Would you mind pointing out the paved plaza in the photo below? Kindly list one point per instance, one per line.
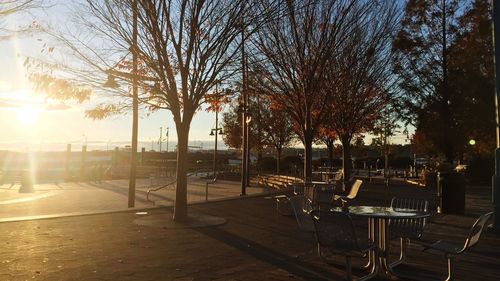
(249, 240)
(63, 199)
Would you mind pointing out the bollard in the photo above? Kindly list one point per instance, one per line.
(206, 191)
(26, 182)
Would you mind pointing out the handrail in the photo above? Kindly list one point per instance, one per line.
(166, 185)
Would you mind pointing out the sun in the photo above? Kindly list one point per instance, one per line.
(27, 115)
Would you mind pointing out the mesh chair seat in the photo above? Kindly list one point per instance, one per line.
(445, 247)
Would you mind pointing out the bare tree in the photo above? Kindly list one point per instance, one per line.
(185, 48)
(359, 75)
(277, 127)
(295, 48)
(10, 7)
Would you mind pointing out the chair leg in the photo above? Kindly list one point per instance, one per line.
(450, 269)
(348, 267)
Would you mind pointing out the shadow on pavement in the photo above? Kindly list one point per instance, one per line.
(296, 267)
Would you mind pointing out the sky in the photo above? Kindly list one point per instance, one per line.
(28, 121)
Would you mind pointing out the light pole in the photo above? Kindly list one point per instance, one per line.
(244, 153)
(160, 140)
(215, 132)
(496, 177)
(167, 137)
(111, 83)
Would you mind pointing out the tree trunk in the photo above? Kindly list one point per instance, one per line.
(278, 151)
(346, 159)
(330, 154)
(308, 140)
(180, 210)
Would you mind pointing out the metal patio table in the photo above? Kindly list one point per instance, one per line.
(378, 232)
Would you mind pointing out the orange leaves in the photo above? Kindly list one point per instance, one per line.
(217, 100)
(59, 89)
(102, 111)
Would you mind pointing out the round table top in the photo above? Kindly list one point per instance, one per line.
(383, 212)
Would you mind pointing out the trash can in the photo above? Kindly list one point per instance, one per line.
(430, 178)
(451, 193)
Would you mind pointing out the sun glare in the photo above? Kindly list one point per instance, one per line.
(27, 115)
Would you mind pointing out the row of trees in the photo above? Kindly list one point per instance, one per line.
(306, 59)
(322, 69)
(437, 77)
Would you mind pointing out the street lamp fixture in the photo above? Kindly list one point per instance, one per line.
(218, 129)
(215, 132)
(111, 82)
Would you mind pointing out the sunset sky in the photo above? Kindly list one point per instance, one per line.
(27, 118)
(28, 121)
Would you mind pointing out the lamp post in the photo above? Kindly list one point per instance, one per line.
(111, 83)
(135, 110)
(496, 177)
(244, 153)
(215, 132)
(160, 140)
(167, 137)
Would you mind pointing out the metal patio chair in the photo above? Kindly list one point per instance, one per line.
(335, 232)
(451, 250)
(407, 229)
(301, 209)
(283, 206)
(353, 192)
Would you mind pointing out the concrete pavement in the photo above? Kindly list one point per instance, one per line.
(255, 243)
(75, 198)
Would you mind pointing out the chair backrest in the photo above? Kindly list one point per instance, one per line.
(476, 230)
(409, 228)
(354, 189)
(301, 210)
(335, 230)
